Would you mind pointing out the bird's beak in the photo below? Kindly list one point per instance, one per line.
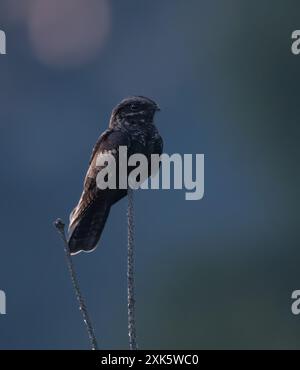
(157, 108)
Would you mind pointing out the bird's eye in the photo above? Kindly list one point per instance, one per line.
(134, 107)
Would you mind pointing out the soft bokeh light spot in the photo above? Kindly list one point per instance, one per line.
(68, 32)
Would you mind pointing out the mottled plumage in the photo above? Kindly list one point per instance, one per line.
(131, 125)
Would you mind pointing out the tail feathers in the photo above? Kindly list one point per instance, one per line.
(86, 228)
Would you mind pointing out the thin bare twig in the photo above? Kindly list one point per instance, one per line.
(130, 273)
(60, 226)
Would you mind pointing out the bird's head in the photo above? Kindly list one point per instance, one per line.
(134, 110)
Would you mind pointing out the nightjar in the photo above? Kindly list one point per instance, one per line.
(131, 125)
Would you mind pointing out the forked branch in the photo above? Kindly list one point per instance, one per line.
(60, 226)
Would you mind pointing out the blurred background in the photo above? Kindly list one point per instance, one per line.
(211, 274)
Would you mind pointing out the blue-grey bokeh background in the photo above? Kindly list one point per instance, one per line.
(215, 273)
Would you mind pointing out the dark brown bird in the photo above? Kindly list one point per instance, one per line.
(131, 125)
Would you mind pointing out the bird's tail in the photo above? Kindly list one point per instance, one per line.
(86, 226)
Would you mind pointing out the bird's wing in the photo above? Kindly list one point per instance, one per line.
(101, 139)
(88, 218)
(158, 145)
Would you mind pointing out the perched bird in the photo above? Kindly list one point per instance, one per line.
(131, 125)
